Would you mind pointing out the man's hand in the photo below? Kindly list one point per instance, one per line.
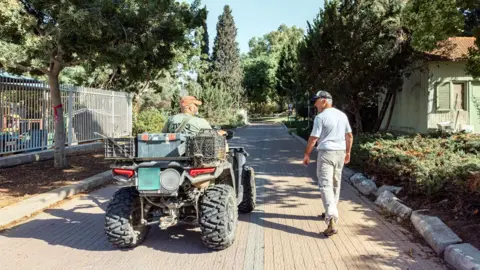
(306, 160)
(308, 150)
(349, 143)
(221, 132)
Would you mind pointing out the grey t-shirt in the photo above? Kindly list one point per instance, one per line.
(193, 126)
(330, 127)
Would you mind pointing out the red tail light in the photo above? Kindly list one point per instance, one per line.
(124, 172)
(199, 171)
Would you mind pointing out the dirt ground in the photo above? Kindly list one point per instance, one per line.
(458, 211)
(24, 181)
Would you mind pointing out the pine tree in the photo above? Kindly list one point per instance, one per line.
(226, 56)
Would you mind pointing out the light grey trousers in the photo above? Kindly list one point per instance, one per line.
(329, 174)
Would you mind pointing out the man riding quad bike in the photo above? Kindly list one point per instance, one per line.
(185, 175)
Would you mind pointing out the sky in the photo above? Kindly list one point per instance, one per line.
(254, 18)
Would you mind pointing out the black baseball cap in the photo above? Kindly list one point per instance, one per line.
(321, 94)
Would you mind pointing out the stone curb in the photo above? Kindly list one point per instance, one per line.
(463, 257)
(439, 236)
(25, 208)
(15, 160)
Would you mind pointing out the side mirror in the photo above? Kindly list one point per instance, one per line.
(229, 134)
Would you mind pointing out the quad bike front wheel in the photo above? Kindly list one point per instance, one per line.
(249, 191)
(218, 217)
(122, 219)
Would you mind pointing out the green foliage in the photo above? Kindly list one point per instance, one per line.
(432, 21)
(37, 34)
(271, 44)
(261, 62)
(476, 103)
(263, 109)
(259, 78)
(356, 50)
(124, 41)
(227, 68)
(217, 102)
(473, 64)
(427, 164)
(149, 120)
(287, 75)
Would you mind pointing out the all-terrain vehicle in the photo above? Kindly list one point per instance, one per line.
(171, 179)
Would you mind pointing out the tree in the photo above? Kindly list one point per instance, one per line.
(259, 77)
(357, 50)
(128, 38)
(287, 74)
(226, 56)
(471, 9)
(217, 100)
(431, 21)
(205, 38)
(261, 62)
(272, 43)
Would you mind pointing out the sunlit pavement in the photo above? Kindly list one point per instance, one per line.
(282, 233)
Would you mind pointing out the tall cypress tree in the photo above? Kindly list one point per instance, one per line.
(286, 73)
(205, 38)
(204, 73)
(226, 55)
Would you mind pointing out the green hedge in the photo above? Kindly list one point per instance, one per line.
(149, 120)
(428, 164)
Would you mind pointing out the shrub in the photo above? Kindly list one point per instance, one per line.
(149, 120)
(264, 109)
(238, 120)
(425, 164)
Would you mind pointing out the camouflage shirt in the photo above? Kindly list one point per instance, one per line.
(194, 125)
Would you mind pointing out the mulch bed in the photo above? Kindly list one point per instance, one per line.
(24, 181)
(460, 213)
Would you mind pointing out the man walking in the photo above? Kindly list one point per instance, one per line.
(334, 135)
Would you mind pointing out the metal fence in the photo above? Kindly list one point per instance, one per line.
(27, 116)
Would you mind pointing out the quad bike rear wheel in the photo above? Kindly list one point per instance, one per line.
(218, 217)
(122, 219)
(249, 191)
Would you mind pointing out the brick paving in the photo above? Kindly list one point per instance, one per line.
(282, 233)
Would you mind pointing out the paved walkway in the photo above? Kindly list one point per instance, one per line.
(282, 233)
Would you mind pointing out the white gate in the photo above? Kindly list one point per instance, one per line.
(26, 114)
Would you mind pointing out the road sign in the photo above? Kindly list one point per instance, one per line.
(290, 105)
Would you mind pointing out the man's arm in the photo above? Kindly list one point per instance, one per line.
(348, 142)
(311, 143)
(316, 131)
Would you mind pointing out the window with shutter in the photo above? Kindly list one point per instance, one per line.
(459, 96)
(443, 96)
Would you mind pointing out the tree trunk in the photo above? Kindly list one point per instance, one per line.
(60, 159)
(381, 116)
(391, 110)
(358, 117)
